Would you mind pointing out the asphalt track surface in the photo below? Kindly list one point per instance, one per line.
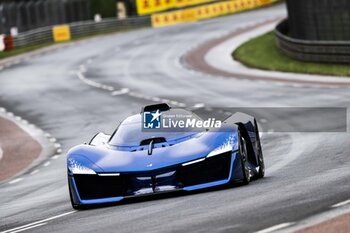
(306, 172)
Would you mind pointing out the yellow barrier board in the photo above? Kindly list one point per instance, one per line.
(170, 18)
(206, 11)
(145, 7)
(61, 33)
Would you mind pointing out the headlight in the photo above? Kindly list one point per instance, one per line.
(77, 168)
(227, 146)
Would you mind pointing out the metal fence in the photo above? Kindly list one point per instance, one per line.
(26, 15)
(311, 50)
(80, 29)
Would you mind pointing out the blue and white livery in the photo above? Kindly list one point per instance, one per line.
(134, 161)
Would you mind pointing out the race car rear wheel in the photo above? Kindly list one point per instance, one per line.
(261, 173)
(244, 160)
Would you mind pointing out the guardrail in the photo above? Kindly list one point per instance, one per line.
(24, 15)
(74, 30)
(311, 51)
(80, 29)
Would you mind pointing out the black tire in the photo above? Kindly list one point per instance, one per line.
(261, 162)
(244, 160)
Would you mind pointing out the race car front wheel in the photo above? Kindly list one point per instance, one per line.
(244, 160)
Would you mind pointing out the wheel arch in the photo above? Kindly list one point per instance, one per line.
(247, 125)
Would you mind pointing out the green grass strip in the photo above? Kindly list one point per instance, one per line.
(262, 53)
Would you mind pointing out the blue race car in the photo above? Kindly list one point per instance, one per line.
(135, 161)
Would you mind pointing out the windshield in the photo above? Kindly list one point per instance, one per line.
(131, 133)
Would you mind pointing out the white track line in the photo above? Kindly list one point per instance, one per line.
(270, 131)
(322, 217)
(28, 127)
(46, 164)
(54, 157)
(263, 120)
(52, 140)
(121, 91)
(15, 180)
(199, 105)
(343, 203)
(165, 100)
(30, 227)
(34, 172)
(87, 81)
(156, 99)
(16, 229)
(80, 75)
(276, 227)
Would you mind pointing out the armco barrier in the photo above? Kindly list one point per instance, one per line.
(86, 28)
(80, 29)
(206, 11)
(311, 51)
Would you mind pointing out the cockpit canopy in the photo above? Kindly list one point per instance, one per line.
(131, 133)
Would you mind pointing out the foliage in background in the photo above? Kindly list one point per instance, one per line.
(106, 8)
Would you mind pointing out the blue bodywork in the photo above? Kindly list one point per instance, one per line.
(100, 172)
